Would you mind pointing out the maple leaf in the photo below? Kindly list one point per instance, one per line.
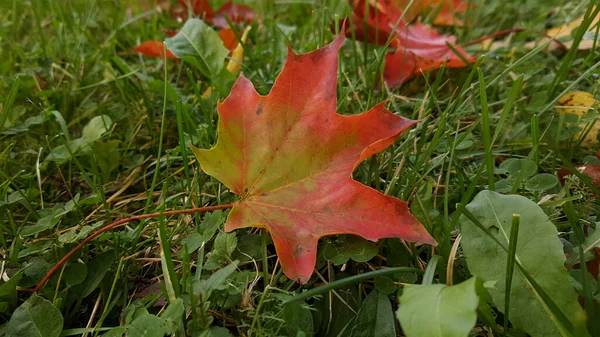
(290, 157)
(419, 48)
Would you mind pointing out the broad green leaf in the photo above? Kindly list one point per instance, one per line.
(8, 291)
(116, 332)
(438, 310)
(204, 233)
(198, 44)
(375, 317)
(146, 326)
(172, 315)
(217, 280)
(541, 182)
(95, 128)
(220, 254)
(298, 319)
(539, 250)
(385, 285)
(97, 268)
(37, 317)
(514, 166)
(75, 273)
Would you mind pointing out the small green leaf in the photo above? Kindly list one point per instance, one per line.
(95, 128)
(204, 233)
(438, 310)
(75, 273)
(346, 247)
(298, 319)
(225, 244)
(198, 44)
(37, 317)
(514, 166)
(541, 182)
(97, 268)
(217, 280)
(385, 285)
(375, 317)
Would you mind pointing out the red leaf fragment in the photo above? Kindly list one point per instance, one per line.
(203, 10)
(153, 49)
(419, 48)
(199, 8)
(290, 157)
(235, 13)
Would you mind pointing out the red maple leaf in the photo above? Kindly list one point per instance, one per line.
(421, 49)
(290, 157)
(418, 47)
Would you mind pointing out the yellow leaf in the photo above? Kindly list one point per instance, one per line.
(578, 103)
(234, 65)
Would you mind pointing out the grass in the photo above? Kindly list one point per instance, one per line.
(64, 63)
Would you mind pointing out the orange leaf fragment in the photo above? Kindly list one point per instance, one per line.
(290, 157)
(153, 49)
(230, 41)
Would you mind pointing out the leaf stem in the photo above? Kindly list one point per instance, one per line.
(120, 223)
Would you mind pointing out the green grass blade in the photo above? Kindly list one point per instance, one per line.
(510, 267)
(486, 130)
(349, 280)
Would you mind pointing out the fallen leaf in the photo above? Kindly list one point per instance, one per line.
(199, 8)
(556, 37)
(374, 22)
(235, 13)
(237, 54)
(290, 157)
(230, 41)
(153, 49)
(565, 31)
(419, 48)
(203, 10)
(592, 171)
(579, 103)
(444, 10)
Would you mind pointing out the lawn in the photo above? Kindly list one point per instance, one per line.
(463, 203)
